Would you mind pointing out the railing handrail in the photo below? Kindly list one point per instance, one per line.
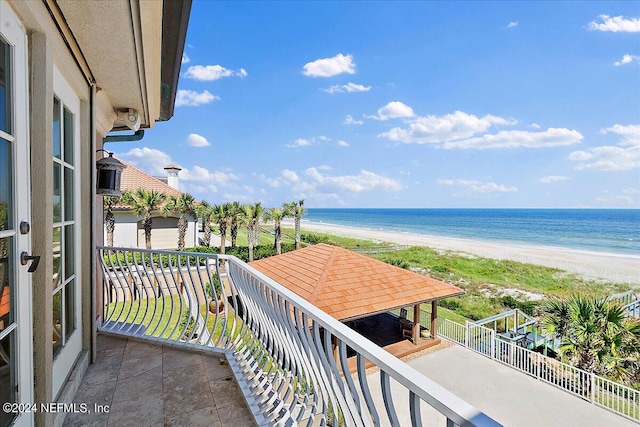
(441, 399)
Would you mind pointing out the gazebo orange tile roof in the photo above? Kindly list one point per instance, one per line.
(134, 178)
(348, 285)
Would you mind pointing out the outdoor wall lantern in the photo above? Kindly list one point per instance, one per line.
(109, 175)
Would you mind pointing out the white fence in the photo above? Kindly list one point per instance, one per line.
(600, 391)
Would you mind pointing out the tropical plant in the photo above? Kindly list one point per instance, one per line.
(183, 205)
(252, 214)
(203, 212)
(276, 215)
(220, 214)
(236, 213)
(108, 203)
(296, 210)
(144, 203)
(596, 334)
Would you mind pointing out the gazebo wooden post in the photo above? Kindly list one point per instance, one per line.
(434, 319)
(416, 324)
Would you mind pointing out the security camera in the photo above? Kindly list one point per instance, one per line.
(130, 118)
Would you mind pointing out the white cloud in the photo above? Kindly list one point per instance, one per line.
(534, 126)
(627, 59)
(349, 87)
(193, 179)
(148, 159)
(350, 121)
(553, 178)
(631, 190)
(364, 181)
(615, 24)
(393, 110)
(440, 129)
(478, 187)
(343, 143)
(552, 137)
(621, 157)
(328, 67)
(191, 98)
(290, 176)
(185, 58)
(616, 201)
(198, 173)
(630, 133)
(196, 140)
(512, 24)
(305, 142)
(207, 73)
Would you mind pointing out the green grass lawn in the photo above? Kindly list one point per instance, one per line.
(482, 279)
(163, 317)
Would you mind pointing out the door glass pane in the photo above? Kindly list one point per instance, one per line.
(56, 128)
(69, 315)
(6, 279)
(57, 217)
(7, 375)
(68, 194)
(68, 136)
(5, 85)
(57, 322)
(6, 185)
(69, 258)
(57, 248)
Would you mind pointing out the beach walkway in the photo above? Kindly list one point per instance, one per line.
(508, 396)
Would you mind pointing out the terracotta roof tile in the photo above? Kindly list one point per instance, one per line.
(348, 285)
(134, 178)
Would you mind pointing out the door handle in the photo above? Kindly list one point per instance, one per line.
(25, 258)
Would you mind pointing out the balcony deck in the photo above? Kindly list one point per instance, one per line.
(144, 383)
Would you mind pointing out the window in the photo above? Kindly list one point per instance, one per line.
(64, 226)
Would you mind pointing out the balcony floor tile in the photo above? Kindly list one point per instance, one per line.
(150, 384)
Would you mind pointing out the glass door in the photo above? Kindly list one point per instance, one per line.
(16, 363)
(66, 339)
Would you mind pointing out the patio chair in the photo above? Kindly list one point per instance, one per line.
(404, 322)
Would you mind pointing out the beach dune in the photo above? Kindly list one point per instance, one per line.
(612, 267)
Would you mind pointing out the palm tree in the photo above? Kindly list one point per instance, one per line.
(596, 335)
(252, 214)
(183, 205)
(297, 210)
(203, 212)
(220, 214)
(144, 203)
(109, 202)
(276, 215)
(236, 213)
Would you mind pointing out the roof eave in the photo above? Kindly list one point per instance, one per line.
(386, 310)
(175, 20)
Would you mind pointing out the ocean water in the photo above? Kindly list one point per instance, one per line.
(601, 230)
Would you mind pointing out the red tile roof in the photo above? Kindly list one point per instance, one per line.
(348, 285)
(134, 178)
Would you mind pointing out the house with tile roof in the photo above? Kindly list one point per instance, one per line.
(128, 230)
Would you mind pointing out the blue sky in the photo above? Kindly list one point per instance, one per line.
(406, 104)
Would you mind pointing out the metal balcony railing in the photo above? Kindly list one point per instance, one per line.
(295, 364)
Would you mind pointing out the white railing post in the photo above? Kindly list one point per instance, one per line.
(466, 333)
(593, 387)
(493, 344)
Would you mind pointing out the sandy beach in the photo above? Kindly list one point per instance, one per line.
(612, 267)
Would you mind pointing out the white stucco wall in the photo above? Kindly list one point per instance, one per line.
(126, 232)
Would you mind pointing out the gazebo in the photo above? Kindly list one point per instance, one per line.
(350, 286)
